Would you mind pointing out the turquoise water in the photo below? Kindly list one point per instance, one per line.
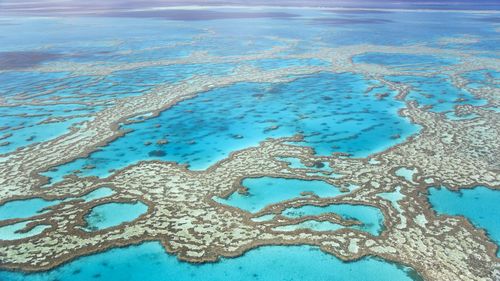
(311, 225)
(113, 214)
(454, 117)
(10, 232)
(98, 193)
(24, 208)
(295, 163)
(482, 78)
(282, 63)
(479, 205)
(265, 191)
(154, 75)
(148, 261)
(21, 125)
(20, 209)
(371, 218)
(37, 133)
(394, 197)
(406, 173)
(331, 110)
(23, 122)
(436, 91)
(406, 62)
(20, 82)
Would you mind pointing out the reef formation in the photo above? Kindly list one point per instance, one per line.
(182, 212)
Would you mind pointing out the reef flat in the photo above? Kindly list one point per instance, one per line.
(187, 210)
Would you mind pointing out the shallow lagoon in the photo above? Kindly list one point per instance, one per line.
(37, 133)
(437, 91)
(332, 111)
(371, 218)
(406, 62)
(25, 208)
(267, 190)
(479, 205)
(149, 261)
(113, 214)
(23, 125)
(11, 231)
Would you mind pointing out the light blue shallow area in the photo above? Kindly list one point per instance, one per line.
(98, 193)
(406, 62)
(332, 111)
(268, 190)
(113, 214)
(12, 231)
(149, 261)
(154, 75)
(44, 87)
(482, 78)
(437, 91)
(295, 163)
(277, 63)
(24, 208)
(480, 205)
(17, 82)
(371, 218)
(20, 209)
(314, 225)
(37, 133)
(21, 124)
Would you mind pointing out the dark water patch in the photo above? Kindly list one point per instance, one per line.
(25, 59)
(157, 153)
